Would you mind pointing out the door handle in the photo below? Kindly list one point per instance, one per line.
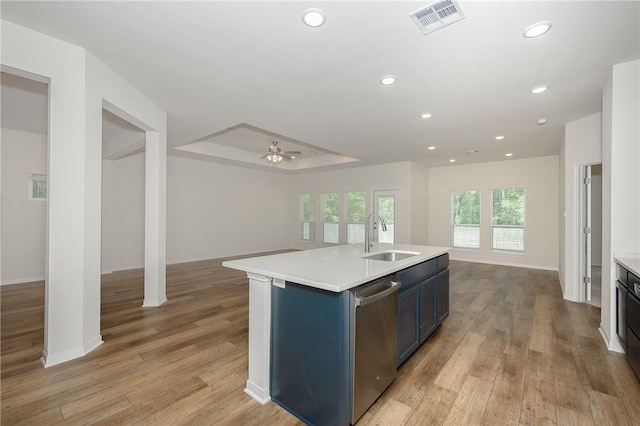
(364, 301)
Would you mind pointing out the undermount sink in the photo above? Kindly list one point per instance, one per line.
(391, 256)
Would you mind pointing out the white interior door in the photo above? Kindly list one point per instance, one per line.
(587, 233)
(385, 204)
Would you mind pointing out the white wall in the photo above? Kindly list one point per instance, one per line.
(78, 86)
(23, 220)
(66, 290)
(538, 176)
(216, 210)
(582, 146)
(395, 176)
(123, 213)
(621, 183)
(419, 204)
(596, 215)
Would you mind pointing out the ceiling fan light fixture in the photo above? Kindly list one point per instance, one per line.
(274, 158)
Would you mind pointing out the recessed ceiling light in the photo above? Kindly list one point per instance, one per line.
(498, 137)
(539, 89)
(453, 160)
(313, 17)
(542, 121)
(426, 115)
(537, 29)
(508, 154)
(388, 80)
(431, 148)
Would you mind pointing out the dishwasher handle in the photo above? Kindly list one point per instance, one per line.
(364, 301)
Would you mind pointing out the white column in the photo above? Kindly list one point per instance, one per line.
(259, 337)
(155, 276)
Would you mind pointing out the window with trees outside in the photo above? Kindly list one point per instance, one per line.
(465, 219)
(37, 186)
(308, 216)
(507, 219)
(355, 204)
(330, 203)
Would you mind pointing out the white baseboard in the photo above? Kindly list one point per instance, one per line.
(257, 393)
(150, 303)
(493, 262)
(49, 360)
(26, 280)
(612, 344)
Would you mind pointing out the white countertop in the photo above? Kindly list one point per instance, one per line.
(336, 268)
(630, 264)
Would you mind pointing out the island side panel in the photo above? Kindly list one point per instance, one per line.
(310, 353)
(259, 337)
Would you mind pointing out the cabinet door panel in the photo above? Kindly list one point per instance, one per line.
(408, 301)
(427, 308)
(443, 295)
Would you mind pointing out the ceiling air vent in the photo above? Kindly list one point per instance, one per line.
(437, 15)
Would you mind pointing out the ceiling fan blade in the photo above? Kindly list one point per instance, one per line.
(293, 152)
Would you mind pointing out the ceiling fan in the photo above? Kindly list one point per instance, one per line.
(275, 155)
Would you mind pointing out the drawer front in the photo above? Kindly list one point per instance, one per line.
(621, 313)
(633, 314)
(633, 283)
(443, 262)
(633, 352)
(621, 274)
(418, 272)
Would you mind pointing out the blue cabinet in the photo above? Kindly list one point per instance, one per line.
(423, 303)
(428, 319)
(310, 353)
(408, 322)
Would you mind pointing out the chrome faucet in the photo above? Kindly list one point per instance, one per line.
(367, 244)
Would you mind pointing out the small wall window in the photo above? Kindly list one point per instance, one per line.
(465, 219)
(507, 219)
(37, 186)
(355, 205)
(308, 217)
(330, 203)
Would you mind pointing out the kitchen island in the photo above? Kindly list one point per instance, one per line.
(334, 269)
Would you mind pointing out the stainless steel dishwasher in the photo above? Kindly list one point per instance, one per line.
(374, 342)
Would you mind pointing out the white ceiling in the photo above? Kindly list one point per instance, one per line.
(215, 65)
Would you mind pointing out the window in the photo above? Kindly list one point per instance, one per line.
(507, 219)
(330, 213)
(37, 187)
(308, 216)
(355, 217)
(465, 219)
(385, 206)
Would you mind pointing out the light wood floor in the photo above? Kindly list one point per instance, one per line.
(511, 352)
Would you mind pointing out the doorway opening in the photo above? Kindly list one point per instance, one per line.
(24, 187)
(591, 232)
(385, 204)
